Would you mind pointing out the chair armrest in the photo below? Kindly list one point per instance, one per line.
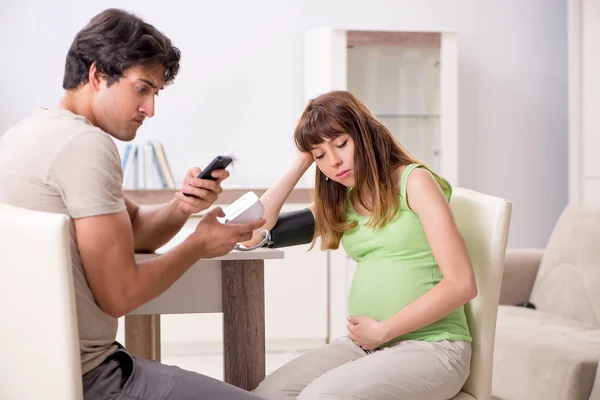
(520, 269)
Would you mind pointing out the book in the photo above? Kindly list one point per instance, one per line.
(162, 164)
(142, 163)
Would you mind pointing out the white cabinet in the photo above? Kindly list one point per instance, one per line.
(408, 79)
(296, 292)
(584, 98)
(296, 295)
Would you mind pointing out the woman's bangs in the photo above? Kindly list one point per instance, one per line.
(315, 129)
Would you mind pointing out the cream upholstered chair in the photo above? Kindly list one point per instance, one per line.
(39, 348)
(552, 352)
(483, 221)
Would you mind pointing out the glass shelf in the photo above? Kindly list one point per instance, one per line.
(412, 116)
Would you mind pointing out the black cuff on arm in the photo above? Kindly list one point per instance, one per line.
(292, 228)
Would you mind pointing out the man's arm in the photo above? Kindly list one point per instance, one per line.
(119, 284)
(153, 226)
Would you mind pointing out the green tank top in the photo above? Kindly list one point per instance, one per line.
(395, 266)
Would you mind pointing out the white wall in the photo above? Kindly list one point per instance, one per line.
(240, 87)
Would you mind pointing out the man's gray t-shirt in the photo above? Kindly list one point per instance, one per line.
(57, 161)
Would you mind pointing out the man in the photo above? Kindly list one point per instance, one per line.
(64, 160)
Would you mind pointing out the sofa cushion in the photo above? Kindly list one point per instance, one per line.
(543, 356)
(568, 281)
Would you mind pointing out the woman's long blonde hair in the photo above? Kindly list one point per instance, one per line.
(377, 154)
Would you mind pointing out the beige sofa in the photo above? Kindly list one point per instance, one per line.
(552, 352)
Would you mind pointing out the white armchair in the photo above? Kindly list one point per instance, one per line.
(484, 222)
(39, 347)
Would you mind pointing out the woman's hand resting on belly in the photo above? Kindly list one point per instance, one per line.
(367, 332)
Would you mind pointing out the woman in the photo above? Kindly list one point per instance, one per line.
(408, 336)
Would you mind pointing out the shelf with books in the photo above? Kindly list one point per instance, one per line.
(145, 166)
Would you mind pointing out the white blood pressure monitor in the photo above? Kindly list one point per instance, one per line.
(247, 208)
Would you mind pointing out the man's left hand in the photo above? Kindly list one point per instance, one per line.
(204, 192)
(367, 332)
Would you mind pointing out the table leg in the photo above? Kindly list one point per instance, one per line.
(142, 336)
(243, 289)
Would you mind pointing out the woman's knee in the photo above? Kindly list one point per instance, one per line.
(274, 389)
(324, 389)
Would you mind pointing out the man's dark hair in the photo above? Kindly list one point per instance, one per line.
(117, 40)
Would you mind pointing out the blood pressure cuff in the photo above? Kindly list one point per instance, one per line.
(292, 229)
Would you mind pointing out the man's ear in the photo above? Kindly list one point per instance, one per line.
(95, 77)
